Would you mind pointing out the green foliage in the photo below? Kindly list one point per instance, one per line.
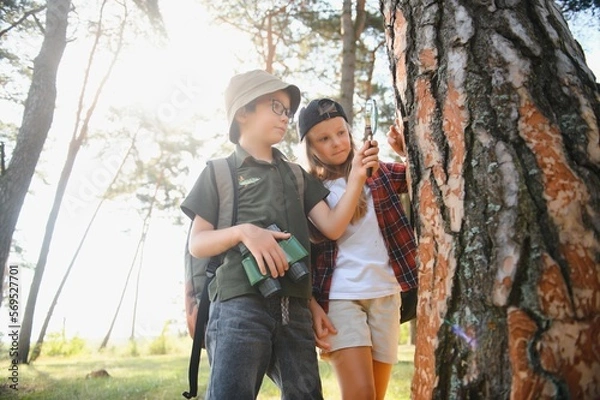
(133, 349)
(156, 168)
(160, 345)
(56, 344)
(404, 337)
(306, 41)
(151, 10)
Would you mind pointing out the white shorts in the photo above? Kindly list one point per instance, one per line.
(374, 323)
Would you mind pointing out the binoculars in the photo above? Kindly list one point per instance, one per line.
(267, 285)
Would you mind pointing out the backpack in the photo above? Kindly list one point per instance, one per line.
(199, 272)
(408, 309)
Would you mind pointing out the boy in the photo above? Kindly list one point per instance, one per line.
(250, 335)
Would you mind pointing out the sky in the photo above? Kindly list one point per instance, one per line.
(183, 81)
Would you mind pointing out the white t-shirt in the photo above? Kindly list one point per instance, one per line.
(362, 269)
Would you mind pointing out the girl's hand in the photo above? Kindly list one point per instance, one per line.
(366, 157)
(322, 325)
(396, 138)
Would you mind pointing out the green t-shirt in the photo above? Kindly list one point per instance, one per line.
(267, 194)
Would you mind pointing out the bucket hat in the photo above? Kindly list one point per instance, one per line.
(317, 111)
(248, 86)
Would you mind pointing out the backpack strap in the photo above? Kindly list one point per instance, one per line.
(227, 193)
(226, 190)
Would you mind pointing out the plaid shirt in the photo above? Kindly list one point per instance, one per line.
(398, 235)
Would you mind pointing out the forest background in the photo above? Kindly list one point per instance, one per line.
(158, 118)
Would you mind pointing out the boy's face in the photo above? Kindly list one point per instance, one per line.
(268, 123)
(330, 141)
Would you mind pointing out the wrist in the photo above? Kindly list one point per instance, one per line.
(241, 233)
(355, 182)
(312, 304)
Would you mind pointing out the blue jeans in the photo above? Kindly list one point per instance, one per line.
(246, 339)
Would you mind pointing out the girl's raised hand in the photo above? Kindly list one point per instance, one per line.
(396, 138)
(366, 157)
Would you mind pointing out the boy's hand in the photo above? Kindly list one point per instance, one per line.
(366, 157)
(262, 243)
(322, 325)
(396, 138)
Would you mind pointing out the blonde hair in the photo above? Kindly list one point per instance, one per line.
(325, 172)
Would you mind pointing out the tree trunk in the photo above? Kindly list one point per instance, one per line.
(136, 296)
(114, 320)
(351, 31)
(270, 47)
(77, 140)
(139, 249)
(501, 123)
(118, 309)
(37, 119)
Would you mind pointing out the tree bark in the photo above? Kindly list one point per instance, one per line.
(37, 119)
(500, 116)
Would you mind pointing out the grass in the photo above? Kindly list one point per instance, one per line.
(154, 376)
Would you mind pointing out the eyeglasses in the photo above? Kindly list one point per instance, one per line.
(278, 108)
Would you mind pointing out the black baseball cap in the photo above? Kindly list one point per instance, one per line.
(316, 111)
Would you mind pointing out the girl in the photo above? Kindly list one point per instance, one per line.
(357, 279)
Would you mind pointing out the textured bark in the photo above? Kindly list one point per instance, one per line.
(500, 115)
(37, 119)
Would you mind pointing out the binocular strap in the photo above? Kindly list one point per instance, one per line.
(285, 310)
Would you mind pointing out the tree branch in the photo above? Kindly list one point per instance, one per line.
(23, 18)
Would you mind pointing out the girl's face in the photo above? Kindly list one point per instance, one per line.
(330, 141)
